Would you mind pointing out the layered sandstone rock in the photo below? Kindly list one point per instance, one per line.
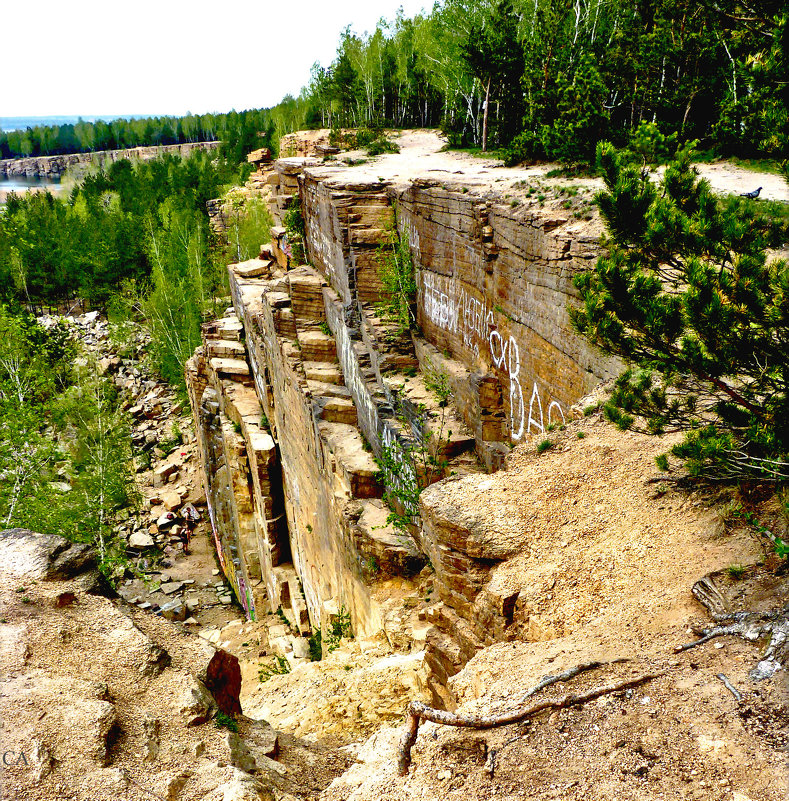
(54, 166)
(340, 388)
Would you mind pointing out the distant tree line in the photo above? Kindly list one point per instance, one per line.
(239, 133)
(547, 79)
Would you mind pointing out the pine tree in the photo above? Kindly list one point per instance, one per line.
(687, 297)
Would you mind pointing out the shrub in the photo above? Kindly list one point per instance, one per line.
(223, 721)
(686, 296)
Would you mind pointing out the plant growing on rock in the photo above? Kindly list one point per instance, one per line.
(278, 667)
(398, 277)
(339, 627)
(687, 297)
(294, 225)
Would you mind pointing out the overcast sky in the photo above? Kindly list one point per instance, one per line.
(169, 56)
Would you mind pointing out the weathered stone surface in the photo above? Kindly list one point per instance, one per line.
(253, 268)
(240, 755)
(221, 676)
(196, 704)
(162, 473)
(141, 539)
(45, 556)
(230, 367)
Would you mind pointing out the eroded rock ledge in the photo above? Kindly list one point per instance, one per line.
(55, 166)
(302, 386)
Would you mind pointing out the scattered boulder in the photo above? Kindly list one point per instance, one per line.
(196, 704)
(221, 675)
(176, 784)
(152, 728)
(240, 755)
(42, 760)
(242, 787)
(173, 610)
(141, 539)
(156, 660)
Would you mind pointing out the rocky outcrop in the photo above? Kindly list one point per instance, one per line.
(101, 700)
(50, 167)
(294, 493)
(308, 404)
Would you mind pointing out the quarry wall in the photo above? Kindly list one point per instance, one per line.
(55, 166)
(310, 406)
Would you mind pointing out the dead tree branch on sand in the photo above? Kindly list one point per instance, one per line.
(418, 711)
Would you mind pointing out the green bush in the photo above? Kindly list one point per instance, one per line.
(398, 277)
(223, 721)
(544, 445)
(279, 667)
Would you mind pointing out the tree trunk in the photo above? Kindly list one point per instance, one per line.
(485, 118)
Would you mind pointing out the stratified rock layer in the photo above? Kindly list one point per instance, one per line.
(309, 414)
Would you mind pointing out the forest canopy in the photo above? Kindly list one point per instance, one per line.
(560, 75)
(556, 77)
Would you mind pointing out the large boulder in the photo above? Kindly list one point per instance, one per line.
(220, 672)
(43, 556)
(27, 554)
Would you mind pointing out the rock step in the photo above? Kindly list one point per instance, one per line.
(287, 595)
(352, 459)
(323, 372)
(253, 268)
(225, 349)
(389, 551)
(229, 367)
(229, 327)
(336, 410)
(317, 346)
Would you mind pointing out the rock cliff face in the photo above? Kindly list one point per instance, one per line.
(55, 166)
(303, 391)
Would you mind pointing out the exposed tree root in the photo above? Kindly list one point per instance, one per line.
(751, 626)
(418, 711)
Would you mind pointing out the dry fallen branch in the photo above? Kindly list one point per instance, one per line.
(729, 686)
(418, 712)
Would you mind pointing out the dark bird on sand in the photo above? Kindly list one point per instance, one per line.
(752, 195)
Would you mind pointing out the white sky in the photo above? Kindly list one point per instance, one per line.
(96, 57)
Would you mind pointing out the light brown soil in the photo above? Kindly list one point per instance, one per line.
(608, 560)
(421, 155)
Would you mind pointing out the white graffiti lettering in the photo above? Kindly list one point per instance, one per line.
(451, 308)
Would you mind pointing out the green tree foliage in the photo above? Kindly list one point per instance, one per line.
(97, 238)
(134, 236)
(398, 280)
(65, 446)
(560, 76)
(687, 297)
(494, 55)
(581, 119)
(238, 132)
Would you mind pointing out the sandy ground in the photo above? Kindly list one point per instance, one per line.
(421, 155)
(609, 555)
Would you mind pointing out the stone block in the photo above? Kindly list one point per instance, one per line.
(229, 367)
(162, 472)
(317, 347)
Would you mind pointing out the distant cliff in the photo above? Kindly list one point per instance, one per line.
(55, 166)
